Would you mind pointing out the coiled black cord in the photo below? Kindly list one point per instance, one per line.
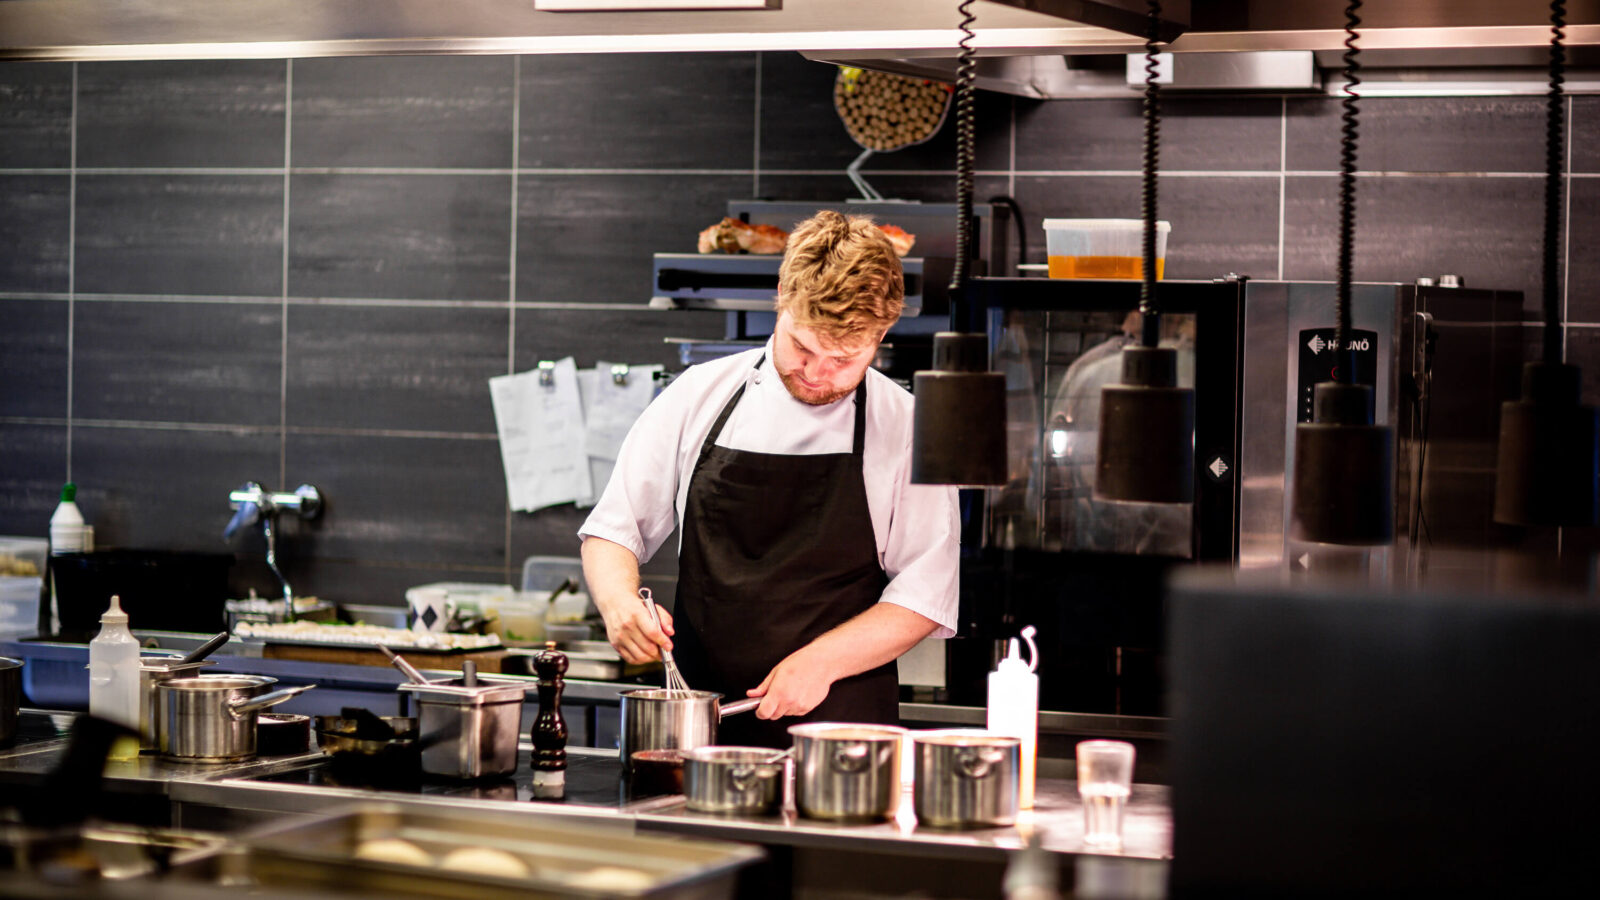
(966, 132)
(1554, 151)
(1150, 329)
(1349, 133)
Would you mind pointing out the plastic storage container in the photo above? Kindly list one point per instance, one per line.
(1101, 248)
(22, 563)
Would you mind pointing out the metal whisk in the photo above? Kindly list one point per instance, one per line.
(674, 680)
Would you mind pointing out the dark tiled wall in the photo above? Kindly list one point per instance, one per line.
(306, 271)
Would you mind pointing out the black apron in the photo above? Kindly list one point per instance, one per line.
(777, 550)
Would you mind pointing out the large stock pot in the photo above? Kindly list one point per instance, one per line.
(847, 771)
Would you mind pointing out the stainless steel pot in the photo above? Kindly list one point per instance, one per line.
(965, 779)
(741, 781)
(152, 672)
(659, 719)
(10, 698)
(212, 718)
(468, 732)
(846, 771)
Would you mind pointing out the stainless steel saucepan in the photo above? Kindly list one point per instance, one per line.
(661, 719)
(212, 718)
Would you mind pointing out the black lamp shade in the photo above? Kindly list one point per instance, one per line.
(1146, 451)
(1343, 471)
(1546, 472)
(958, 432)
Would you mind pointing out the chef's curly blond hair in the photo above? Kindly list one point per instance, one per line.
(840, 278)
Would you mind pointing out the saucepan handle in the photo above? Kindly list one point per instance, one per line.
(738, 706)
(245, 705)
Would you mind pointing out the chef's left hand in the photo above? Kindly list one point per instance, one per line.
(794, 687)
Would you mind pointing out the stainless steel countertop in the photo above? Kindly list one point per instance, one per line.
(1057, 815)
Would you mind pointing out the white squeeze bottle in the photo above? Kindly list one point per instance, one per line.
(66, 524)
(1014, 707)
(114, 674)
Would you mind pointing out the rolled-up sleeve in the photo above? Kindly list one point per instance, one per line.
(922, 556)
(637, 508)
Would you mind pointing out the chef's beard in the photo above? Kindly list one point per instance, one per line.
(810, 396)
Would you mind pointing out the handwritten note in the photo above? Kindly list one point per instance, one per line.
(542, 437)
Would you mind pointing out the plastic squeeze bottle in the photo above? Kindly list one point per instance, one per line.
(67, 532)
(1014, 707)
(114, 676)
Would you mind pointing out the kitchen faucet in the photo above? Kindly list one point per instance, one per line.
(256, 504)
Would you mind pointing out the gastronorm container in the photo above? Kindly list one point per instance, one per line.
(740, 781)
(846, 771)
(321, 853)
(965, 779)
(468, 732)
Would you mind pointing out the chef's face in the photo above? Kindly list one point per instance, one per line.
(817, 371)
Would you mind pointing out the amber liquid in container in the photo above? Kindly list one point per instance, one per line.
(1131, 267)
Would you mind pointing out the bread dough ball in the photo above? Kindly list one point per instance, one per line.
(485, 861)
(612, 878)
(393, 850)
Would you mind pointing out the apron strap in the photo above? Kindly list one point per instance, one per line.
(722, 418)
(860, 441)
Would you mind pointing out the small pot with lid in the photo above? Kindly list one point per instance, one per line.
(212, 718)
(847, 771)
(965, 779)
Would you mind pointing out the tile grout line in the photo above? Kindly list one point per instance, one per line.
(511, 285)
(283, 308)
(755, 168)
(1283, 177)
(72, 255)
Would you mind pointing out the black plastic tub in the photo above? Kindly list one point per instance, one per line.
(10, 699)
(161, 590)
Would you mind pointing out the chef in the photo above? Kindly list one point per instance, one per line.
(808, 562)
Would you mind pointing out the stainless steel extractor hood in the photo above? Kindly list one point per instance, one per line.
(209, 29)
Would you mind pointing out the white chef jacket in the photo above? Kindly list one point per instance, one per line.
(917, 526)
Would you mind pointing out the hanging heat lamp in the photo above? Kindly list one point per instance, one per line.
(1146, 448)
(958, 432)
(1546, 472)
(1343, 462)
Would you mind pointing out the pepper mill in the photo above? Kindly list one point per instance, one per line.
(549, 735)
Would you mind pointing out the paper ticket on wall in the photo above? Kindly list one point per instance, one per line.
(542, 434)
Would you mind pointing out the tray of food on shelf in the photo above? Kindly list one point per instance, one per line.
(330, 634)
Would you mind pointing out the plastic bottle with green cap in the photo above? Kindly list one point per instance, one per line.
(67, 531)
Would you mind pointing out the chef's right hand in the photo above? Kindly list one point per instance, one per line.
(633, 632)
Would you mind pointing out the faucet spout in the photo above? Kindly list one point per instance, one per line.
(253, 505)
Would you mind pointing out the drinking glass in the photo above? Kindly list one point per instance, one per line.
(1105, 778)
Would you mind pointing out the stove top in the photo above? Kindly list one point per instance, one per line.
(35, 727)
(592, 781)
